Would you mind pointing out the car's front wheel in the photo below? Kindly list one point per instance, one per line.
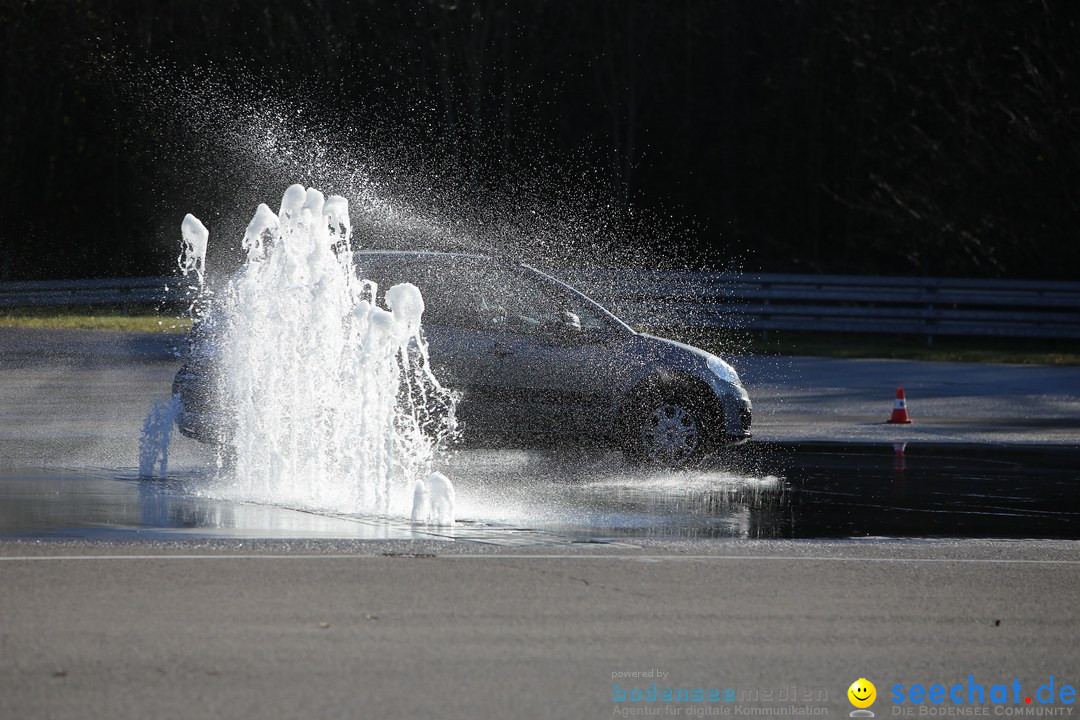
(671, 431)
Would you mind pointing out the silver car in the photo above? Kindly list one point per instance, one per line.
(536, 360)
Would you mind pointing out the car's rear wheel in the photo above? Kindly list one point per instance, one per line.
(671, 431)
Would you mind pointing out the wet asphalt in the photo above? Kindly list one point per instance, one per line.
(817, 555)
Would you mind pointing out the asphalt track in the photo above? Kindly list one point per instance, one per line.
(440, 627)
(78, 398)
(150, 631)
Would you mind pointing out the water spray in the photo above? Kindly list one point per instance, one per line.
(328, 400)
(321, 397)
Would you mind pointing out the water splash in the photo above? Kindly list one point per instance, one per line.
(434, 500)
(193, 255)
(328, 400)
(154, 443)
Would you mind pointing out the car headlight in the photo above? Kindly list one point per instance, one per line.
(724, 371)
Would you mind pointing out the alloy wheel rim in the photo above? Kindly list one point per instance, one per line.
(670, 435)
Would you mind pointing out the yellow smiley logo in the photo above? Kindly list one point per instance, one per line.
(862, 693)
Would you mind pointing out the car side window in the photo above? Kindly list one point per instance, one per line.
(444, 304)
(508, 301)
(517, 300)
(486, 296)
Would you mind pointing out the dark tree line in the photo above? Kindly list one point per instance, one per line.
(937, 137)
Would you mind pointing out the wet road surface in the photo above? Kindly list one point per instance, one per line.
(805, 491)
(792, 564)
(73, 403)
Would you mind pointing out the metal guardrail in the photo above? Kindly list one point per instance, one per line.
(823, 303)
(119, 292)
(841, 303)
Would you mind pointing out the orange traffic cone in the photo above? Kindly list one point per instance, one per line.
(899, 412)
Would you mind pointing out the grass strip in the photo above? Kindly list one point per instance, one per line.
(119, 323)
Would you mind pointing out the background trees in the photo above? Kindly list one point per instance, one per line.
(815, 135)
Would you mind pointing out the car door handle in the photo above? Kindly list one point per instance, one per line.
(501, 351)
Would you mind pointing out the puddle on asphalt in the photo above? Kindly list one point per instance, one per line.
(548, 497)
(795, 491)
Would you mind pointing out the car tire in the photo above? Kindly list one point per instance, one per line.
(671, 430)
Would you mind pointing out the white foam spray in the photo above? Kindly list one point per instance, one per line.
(157, 428)
(434, 501)
(327, 399)
(154, 443)
(193, 255)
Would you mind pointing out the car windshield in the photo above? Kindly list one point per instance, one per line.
(477, 293)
